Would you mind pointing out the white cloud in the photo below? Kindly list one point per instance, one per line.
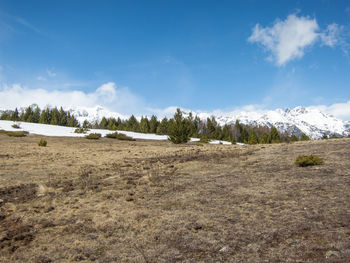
(51, 73)
(40, 78)
(331, 36)
(338, 110)
(107, 95)
(287, 40)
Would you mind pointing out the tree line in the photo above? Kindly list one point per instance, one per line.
(180, 128)
(34, 114)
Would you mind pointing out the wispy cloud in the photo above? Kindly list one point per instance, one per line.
(40, 78)
(287, 39)
(13, 19)
(50, 73)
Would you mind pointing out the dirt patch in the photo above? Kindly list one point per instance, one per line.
(20, 193)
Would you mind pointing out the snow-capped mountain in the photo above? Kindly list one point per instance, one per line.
(308, 120)
(94, 114)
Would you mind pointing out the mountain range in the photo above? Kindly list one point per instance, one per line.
(308, 120)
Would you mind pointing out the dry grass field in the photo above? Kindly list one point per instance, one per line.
(148, 201)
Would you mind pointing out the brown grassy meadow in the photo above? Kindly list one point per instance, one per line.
(148, 201)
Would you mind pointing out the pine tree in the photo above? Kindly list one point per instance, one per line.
(133, 124)
(15, 116)
(63, 120)
(294, 138)
(163, 127)
(226, 133)
(153, 124)
(144, 125)
(275, 136)
(304, 137)
(55, 115)
(86, 124)
(112, 124)
(44, 116)
(28, 114)
(244, 135)
(211, 126)
(179, 131)
(103, 123)
(36, 114)
(218, 133)
(265, 138)
(253, 138)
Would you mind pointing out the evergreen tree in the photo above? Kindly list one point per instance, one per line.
(63, 120)
(294, 138)
(6, 115)
(304, 137)
(72, 122)
(211, 126)
(112, 124)
(265, 138)
(15, 116)
(44, 116)
(86, 124)
(103, 123)
(28, 114)
(253, 138)
(244, 135)
(144, 125)
(163, 127)
(153, 124)
(275, 136)
(133, 124)
(218, 133)
(179, 131)
(55, 115)
(226, 133)
(36, 114)
(324, 137)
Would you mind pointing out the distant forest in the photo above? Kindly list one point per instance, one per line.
(179, 127)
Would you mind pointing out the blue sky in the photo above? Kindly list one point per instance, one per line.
(143, 56)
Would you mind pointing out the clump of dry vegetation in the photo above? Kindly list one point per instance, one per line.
(309, 160)
(119, 136)
(15, 126)
(93, 136)
(15, 133)
(42, 142)
(81, 130)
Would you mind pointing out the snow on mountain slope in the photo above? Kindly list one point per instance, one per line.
(310, 121)
(94, 114)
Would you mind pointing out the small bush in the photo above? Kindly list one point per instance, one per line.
(81, 130)
(42, 143)
(204, 139)
(308, 160)
(93, 136)
(119, 136)
(15, 126)
(15, 133)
